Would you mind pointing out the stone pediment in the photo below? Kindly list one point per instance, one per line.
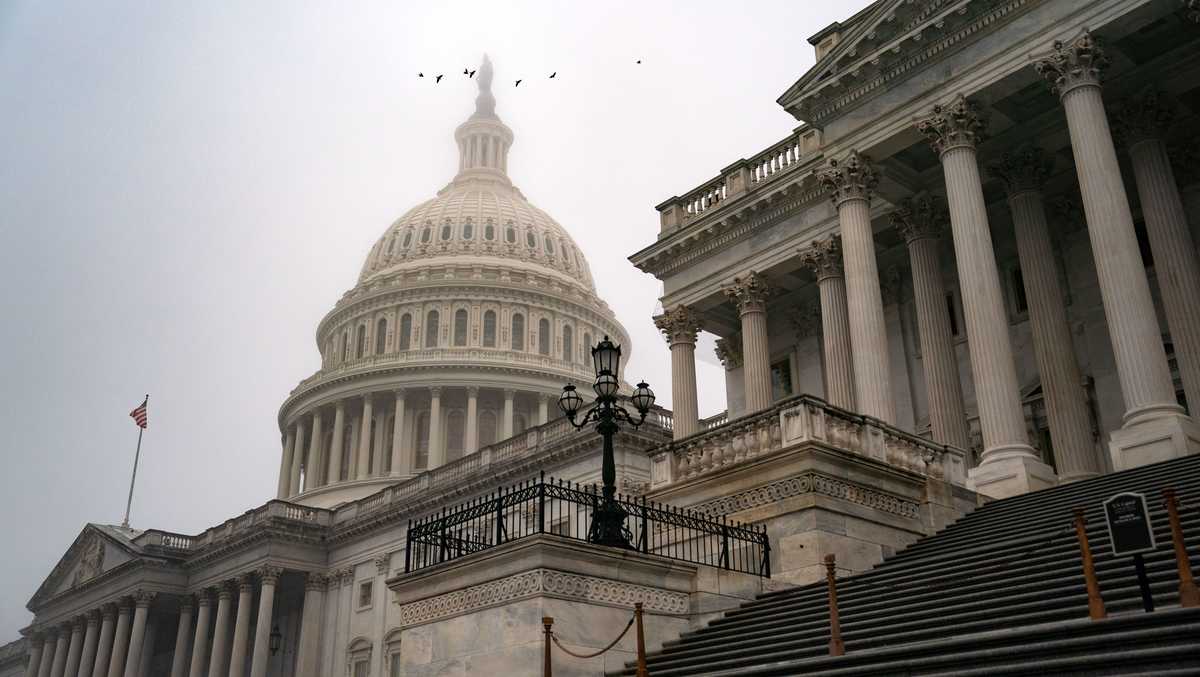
(98, 549)
(887, 43)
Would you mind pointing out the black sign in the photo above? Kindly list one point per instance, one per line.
(1129, 524)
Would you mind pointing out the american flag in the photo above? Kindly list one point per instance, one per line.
(139, 414)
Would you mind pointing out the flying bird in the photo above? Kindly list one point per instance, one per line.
(420, 75)
(553, 74)
(437, 79)
(518, 84)
(471, 74)
(466, 72)
(639, 60)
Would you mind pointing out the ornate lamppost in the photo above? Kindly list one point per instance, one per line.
(608, 520)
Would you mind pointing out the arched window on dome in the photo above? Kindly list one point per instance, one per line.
(431, 329)
(489, 329)
(510, 234)
(447, 231)
(421, 460)
(530, 239)
(468, 231)
(587, 345)
(518, 331)
(391, 246)
(380, 335)
(405, 340)
(426, 233)
(360, 341)
(460, 327)
(568, 254)
(456, 425)
(347, 450)
(568, 346)
(548, 244)
(489, 232)
(544, 336)
(487, 428)
(407, 239)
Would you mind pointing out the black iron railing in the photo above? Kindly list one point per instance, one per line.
(548, 506)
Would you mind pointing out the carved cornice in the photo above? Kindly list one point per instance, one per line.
(853, 178)
(958, 124)
(1022, 170)
(315, 582)
(824, 257)
(679, 325)
(749, 292)
(542, 583)
(729, 351)
(810, 483)
(1147, 115)
(919, 218)
(1077, 63)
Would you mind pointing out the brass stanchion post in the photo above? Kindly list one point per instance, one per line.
(547, 621)
(641, 642)
(1095, 602)
(1189, 594)
(836, 647)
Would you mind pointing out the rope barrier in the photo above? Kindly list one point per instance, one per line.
(611, 644)
(548, 622)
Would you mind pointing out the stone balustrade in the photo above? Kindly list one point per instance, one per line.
(741, 177)
(803, 420)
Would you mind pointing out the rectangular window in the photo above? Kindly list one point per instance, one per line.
(360, 668)
(781, 379)
(365, 590)
(394, 666)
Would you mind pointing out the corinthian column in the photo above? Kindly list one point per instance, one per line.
(922, 221)
(679, 325)
(824, 257)
(335, 446)
(364, 437)
(200, 644)
(241, 626)
(1143, 122)
(297, 460)
(61, 648)
(1066, 409)
(75, 649)
(285, 465)
(849, 184)
(310, 626)
(749, 292)
(87, 659)
(506, 425)
(116, 662)
(37, 644)
(1008, 465)
(104, 646)
(401, 461)
(437, 447)
(183, 637)
(472, 433)
(47, 660)
(137, 633)
(1155, 427)
(268, 577)
(312, 471)
(218, 663)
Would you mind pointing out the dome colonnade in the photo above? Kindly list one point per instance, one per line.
(470, 312)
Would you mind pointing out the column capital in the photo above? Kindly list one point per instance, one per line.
(1076, 63)
(679, 325)
(729, 351)
(435, 391)
(473, 391)
(124, 606)
(1147, 115)
(224, 591)
(269, 574)
(315, 581)
(919, 218)
(509, 393)
(67, 627)
(383, 563)
(246, 582)
(958, 124)
(93, 617)
(1022, 170)
(823, 257)
(806, 319)
(853, 178)
(143, 598)
(186, 603)
(749, 292)
(108, 611)
(398, 392)
(341, 406)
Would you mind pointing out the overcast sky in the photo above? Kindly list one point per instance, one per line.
(186, 188)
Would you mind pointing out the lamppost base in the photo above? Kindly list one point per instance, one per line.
(608, 526)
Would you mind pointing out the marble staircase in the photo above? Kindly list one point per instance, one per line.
(999, 592)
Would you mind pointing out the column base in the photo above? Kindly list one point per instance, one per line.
(1011, 476)
(1159, 439)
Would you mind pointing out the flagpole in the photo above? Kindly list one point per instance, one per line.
(133, 478)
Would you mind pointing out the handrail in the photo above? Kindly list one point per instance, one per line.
(545, 505)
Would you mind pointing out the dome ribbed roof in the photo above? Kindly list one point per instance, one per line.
(480, 213)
